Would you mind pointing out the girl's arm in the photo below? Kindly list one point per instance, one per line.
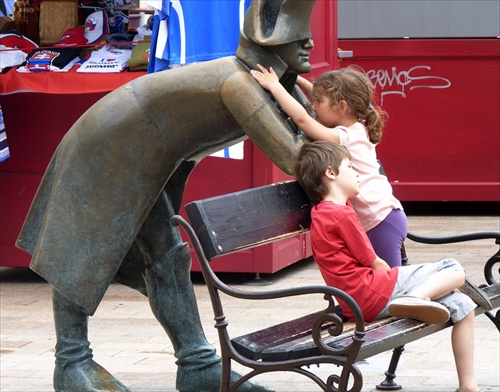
(257, 115)
(306, 86)
(315, 130)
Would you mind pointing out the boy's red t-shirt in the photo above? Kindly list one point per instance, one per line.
(343, 253)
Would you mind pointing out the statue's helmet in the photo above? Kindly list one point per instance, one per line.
(277, 22)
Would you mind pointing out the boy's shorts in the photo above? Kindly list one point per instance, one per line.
(411, 276)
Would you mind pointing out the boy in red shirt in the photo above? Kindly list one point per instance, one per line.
(427, 292)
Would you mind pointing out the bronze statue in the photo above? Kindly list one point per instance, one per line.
(102, 210)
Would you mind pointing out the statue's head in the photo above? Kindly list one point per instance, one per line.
(283, 27)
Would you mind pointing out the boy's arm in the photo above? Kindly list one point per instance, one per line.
(380, 264)
(269, 80)
(352, 233)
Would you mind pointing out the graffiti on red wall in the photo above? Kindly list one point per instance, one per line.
(394, 82)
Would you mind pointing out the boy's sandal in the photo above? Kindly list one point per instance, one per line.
(476, 294)
(417, 308)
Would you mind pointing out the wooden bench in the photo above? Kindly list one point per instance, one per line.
(254, 217)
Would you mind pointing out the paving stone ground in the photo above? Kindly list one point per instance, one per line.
(128, 341)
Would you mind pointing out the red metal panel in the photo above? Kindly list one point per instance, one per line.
(324, 33)
(35, 124)
(443, 98)
(17, 191)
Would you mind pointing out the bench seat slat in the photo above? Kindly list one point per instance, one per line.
(252, 344)
(305, 346)
(292, 334)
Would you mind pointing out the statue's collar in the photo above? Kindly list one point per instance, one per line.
(251, 54)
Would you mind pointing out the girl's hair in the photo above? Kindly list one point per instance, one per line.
(312, 161)
(357, 91)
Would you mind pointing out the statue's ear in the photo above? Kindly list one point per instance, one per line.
(277, 22)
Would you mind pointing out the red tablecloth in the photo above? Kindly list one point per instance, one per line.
(70, 82)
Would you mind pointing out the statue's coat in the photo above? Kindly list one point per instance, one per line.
(114, 162)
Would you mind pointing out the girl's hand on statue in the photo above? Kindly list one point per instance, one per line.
(266, 79)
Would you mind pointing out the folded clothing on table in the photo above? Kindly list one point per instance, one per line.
(107, 59)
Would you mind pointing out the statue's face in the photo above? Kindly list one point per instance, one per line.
(295, 55)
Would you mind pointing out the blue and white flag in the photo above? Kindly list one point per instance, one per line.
(6, 7)
(187, 31)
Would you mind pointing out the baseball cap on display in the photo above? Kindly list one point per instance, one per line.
(96, 27)
(73, 36)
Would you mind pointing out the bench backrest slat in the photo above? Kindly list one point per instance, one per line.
(253, 217)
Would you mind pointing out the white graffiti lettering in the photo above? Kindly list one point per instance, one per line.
(399, 82)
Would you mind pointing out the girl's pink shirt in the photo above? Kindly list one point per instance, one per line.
(375, 200)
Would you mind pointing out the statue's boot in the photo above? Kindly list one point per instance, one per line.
(173, 302)
(75, 370)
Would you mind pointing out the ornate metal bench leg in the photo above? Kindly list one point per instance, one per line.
(388, 384)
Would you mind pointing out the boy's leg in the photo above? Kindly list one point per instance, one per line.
(476, 294)
(418, 283)
(461, 308)
(439, 284)
(462, 341)
(447, 280)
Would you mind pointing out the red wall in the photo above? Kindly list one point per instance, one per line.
(442, 142)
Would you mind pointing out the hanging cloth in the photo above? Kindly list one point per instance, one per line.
(187, 31)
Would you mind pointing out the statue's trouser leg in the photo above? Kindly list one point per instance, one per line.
(75, 370)
(173, 302)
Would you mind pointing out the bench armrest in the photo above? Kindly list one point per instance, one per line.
(456, 238)
(488, 267)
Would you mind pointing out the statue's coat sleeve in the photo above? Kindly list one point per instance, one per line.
(261, 120)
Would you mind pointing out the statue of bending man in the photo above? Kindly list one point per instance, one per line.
(102, 211)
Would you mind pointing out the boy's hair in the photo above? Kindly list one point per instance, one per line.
(312, 161)
(353, 87)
